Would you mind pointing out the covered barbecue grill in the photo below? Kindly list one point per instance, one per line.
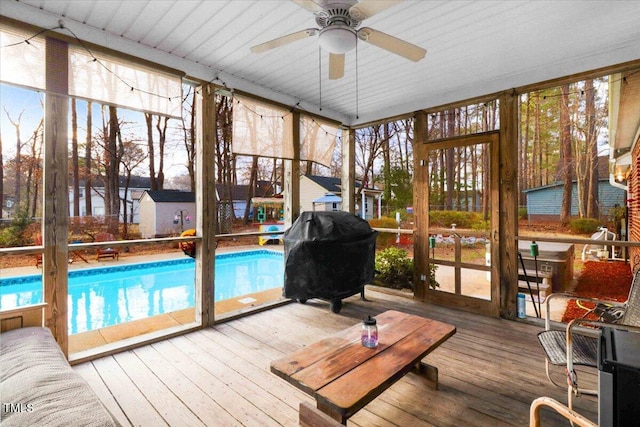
(328, 255)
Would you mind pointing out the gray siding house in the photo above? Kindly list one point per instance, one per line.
(546, 202)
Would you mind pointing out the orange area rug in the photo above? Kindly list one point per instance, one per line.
(607, 280)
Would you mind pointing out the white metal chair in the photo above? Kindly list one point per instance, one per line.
(571, 347)
(604, 236)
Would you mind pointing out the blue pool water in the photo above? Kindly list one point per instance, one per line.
(105, 296)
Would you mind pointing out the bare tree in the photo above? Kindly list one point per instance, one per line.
(75, 169)
(17, 163)
(33, 163)
(591, 141)
(148, 117)
(88, 162)
(1, 178)
(189, 131)
(566, 157)
(369, 143)
(253, 181)
(111, 171)
(161, 125)
(386, 165)
(132, 157)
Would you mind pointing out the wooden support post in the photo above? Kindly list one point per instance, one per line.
(55, 221)
(508, 205)
(348, 180)
(420, 207)
(292, 177)
(205, 204)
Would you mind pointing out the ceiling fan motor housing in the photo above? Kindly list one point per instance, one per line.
(337, 34)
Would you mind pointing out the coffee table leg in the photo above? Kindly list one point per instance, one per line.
(429, 372)
(316, 417)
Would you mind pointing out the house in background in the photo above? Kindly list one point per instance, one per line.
(137, 186)
(545, 203)
(166, 213)
(314, 187)
(238, 195)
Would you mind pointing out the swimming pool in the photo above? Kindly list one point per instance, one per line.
(106, 296)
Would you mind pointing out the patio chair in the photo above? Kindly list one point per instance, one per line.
(571, 347)
(106, 252)
(572, 416)
(37, 240)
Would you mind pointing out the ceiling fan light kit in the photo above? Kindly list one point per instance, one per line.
(337, 38)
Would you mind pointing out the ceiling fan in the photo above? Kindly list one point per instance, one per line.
(339, 21)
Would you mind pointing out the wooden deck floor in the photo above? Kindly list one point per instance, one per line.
(490, 371)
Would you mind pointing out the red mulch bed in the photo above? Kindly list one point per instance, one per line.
(603, 280)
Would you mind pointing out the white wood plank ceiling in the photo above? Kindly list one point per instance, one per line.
(473, 47)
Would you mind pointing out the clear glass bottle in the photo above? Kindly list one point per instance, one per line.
(369, 336)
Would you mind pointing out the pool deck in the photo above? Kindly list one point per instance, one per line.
(110, 334)
(127, 258)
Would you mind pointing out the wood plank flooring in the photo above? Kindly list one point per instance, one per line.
(490, 371)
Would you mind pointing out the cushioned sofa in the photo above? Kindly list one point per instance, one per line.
(39, 387)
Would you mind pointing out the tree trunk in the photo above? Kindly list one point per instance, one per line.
(386, 166)
(75, 168)
(524, 152)
(148, 118)
(2, 203)
(253, 179)
(161, 125)
(112, 199)
(449, 162)
(34, 168)
(566, 158)
(189, 140)
(87, 163)
(535, 143)
(17, 162)
(591, 139)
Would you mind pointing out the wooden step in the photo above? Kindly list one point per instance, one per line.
(544, 287)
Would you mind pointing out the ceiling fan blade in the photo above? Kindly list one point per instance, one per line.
(310, 5)
(392, 44)
(367, 8)
(336, 66)
(281, 41)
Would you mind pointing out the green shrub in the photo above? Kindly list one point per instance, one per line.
(394, 269)
(584, 225)
(481, 225)
(462, 219)
(15, 234)
(523, 213)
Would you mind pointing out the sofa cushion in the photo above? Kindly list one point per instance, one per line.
(40, 385)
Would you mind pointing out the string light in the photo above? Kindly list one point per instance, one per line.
(61, 26)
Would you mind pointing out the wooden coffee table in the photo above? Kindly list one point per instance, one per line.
(343, 376)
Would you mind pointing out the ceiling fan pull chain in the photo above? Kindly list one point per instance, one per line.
(357, 91)
(320, 74)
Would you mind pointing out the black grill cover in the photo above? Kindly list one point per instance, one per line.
(328, 255)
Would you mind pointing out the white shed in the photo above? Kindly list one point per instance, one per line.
(314, 188)
(166, 213)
